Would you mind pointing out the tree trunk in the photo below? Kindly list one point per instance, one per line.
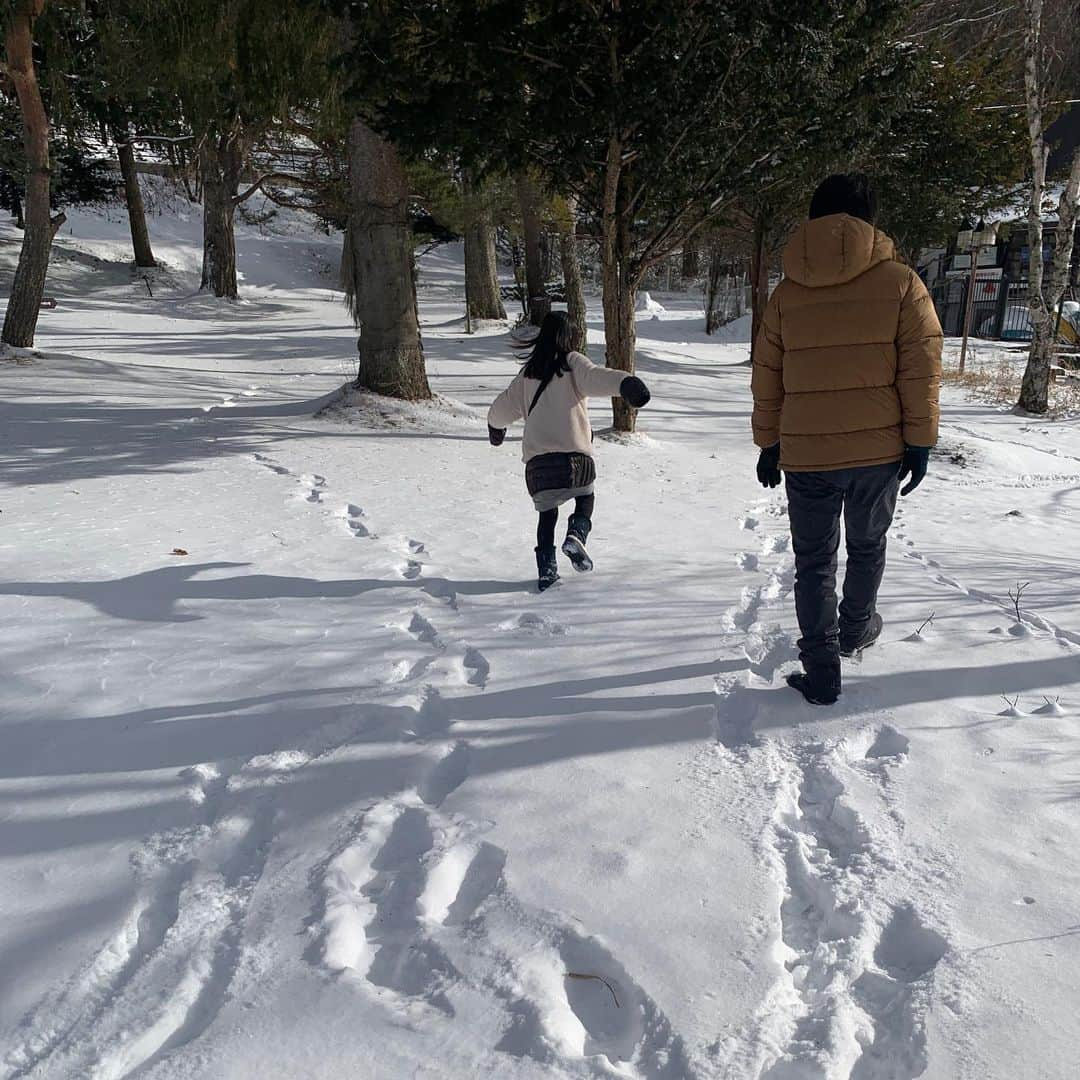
(519, 272)
(547, 256)
(690, 262)
(220, 163)
(712, 288)
(759, 278)
(1035, 389)
(481, 265)
(20, 221)
(140, 235)
(28, 286)
(391, 359)
(534, 262)
(572, 282)
(619, 283)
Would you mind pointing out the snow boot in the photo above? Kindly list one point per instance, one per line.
(850, 646)
(573, 548)
(547, 568)
(819, 685)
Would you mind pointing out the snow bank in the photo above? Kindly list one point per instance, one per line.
(644, 304)
(439, 415)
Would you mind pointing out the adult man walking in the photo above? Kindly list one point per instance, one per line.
(846, 376)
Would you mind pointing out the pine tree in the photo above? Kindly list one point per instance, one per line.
(28, 286)
(380, 254)
(238, 68)
(655, 114)
(481, 264)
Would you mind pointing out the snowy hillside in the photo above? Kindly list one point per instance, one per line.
(302, 778)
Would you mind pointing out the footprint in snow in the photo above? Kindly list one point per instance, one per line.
(535, 625)
(273, 466)
(424, 631)
(477, 666)
(774, 545)
(354, 521)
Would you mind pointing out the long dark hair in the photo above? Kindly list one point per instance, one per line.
(547, 352)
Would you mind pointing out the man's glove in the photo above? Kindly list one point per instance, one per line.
(634, 392)
(496, 435)
(914, 464)
(768, 466)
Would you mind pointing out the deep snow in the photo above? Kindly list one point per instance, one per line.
(336, 793)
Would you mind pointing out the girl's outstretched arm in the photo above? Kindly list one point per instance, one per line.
(596, 381)
(509, 405)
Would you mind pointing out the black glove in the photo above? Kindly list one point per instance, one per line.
(634, 392)
(496, 435)
(914, 464)
(768, 466)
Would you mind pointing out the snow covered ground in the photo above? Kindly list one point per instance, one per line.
(301, 778)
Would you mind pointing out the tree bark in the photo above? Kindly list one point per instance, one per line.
(528, 199)
(140, 235)
(1035, 389)
(619, 281)
(391, 356)
(28, 286)
(481, 265)
(690, 262)
(716, 273)
(220, 163)
(572, 282)
(759, 278)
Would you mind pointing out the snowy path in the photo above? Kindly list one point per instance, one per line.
(334, 792)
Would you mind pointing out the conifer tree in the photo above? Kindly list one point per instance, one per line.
(28, 286)
(655, 114)
(238, 69)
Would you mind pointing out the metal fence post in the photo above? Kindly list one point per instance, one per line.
(969, 303)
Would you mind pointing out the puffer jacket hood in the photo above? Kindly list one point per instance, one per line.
(834, 250)
(848, 360)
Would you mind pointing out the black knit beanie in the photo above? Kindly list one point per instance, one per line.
(845, 193)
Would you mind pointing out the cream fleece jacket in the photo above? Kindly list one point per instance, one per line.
(560, 422)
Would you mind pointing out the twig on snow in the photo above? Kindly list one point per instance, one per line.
(1015, 596)
(598, 978)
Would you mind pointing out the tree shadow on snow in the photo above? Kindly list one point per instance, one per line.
(152, 596)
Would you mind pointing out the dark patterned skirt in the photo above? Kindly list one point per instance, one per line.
(553, 479)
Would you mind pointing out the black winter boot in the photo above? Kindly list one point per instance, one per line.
(849, 646)
(577, 533)
(547, 568)
(819, 685)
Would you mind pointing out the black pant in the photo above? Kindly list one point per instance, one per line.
(545, 528)
(867, 498)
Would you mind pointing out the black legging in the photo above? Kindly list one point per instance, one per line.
(545, 527)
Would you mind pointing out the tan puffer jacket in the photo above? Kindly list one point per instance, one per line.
(848, 361)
